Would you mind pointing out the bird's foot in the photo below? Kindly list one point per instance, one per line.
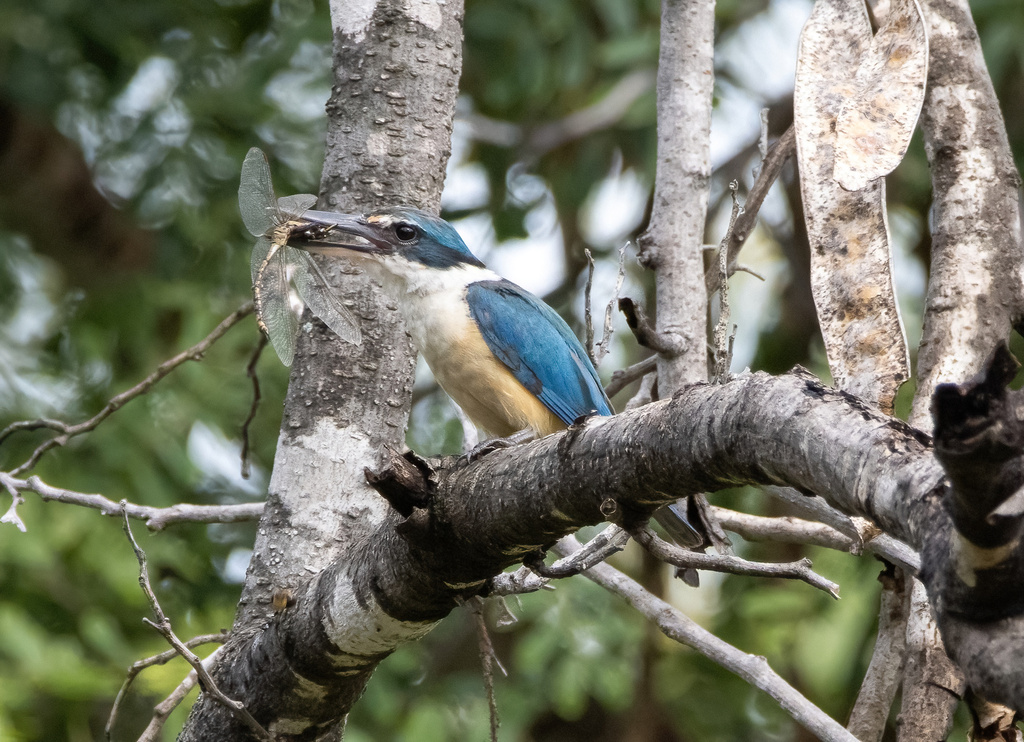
(496, 444)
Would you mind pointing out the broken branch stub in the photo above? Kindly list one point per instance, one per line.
(851, 260)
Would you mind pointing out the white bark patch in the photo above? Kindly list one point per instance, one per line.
(366, 631)
(875, 124)
(352, 17)
(427, 12)
(851, 259)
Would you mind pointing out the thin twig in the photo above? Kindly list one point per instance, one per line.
(588, 315)
(609, 310)
(163, 626)
(799, 570)
(11, 516)
(159, 659)
(115, 403)
(250, 371)
(626, 376)
(723, 345)
(162, 710)
(770, 170)
(155, 518)
(487, 660)
(791, 530)
(678, 627)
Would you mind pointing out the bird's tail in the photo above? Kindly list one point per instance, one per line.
(676, 521)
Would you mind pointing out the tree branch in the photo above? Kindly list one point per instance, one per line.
(675, 625)
(67, 432)
(156, 519)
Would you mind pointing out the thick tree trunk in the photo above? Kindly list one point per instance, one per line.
(396, 69)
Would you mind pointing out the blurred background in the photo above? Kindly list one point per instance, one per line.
(122, 130)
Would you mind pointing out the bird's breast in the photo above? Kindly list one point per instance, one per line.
(464, 366)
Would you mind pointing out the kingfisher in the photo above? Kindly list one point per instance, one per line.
(503, 355)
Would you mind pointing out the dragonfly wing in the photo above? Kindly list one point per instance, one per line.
(270, 289)
(256, 194)
(321, 298)
(293, 207)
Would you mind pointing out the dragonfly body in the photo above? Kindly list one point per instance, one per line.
(275, 266)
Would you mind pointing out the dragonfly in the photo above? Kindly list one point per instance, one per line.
(273, 221)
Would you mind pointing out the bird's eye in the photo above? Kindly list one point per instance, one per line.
(405, 232)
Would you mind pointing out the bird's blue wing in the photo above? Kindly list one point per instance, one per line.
(538, 348)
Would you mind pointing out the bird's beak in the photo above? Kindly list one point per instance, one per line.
(338, 234)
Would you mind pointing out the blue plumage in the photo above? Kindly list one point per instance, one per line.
(538, 348)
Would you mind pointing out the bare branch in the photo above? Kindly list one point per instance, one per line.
(686, 559)
(163, 626)
(675, 625)
(610, 541)
(798, 531)
(156, 519)
(67, 431)
(587, 306)
(609, 311)
(488, 659)
(645, 332)
(722, 341)
(771, 168)
(159, 659)
(626, 376)
(162, 710)
(250, 371)
(11, 516)
(882, 679)
(672, 245)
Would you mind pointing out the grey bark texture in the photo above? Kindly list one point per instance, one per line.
(453, 525)
(390, 114)
(975, 288)
(673, 244)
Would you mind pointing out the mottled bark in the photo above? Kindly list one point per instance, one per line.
(975, 288)
(396, 67)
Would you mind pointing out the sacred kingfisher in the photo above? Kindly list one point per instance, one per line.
(505, 357)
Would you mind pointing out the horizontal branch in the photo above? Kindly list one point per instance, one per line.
(156, 519)
(463, 521)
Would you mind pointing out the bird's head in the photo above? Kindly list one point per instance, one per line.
(396, 238)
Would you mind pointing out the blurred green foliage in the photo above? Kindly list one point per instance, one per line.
(161, 101)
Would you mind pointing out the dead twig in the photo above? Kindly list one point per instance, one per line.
(488, 659)
(723, 342)
(163, 626)
(158, 659)
(156, 519)
(626, 376)
(644, 330)
(587, 308)
(799, 570)
(250, 371)
(678, 627)
(67, 432)
(162, 710)
(771, 168)
(609, 541)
